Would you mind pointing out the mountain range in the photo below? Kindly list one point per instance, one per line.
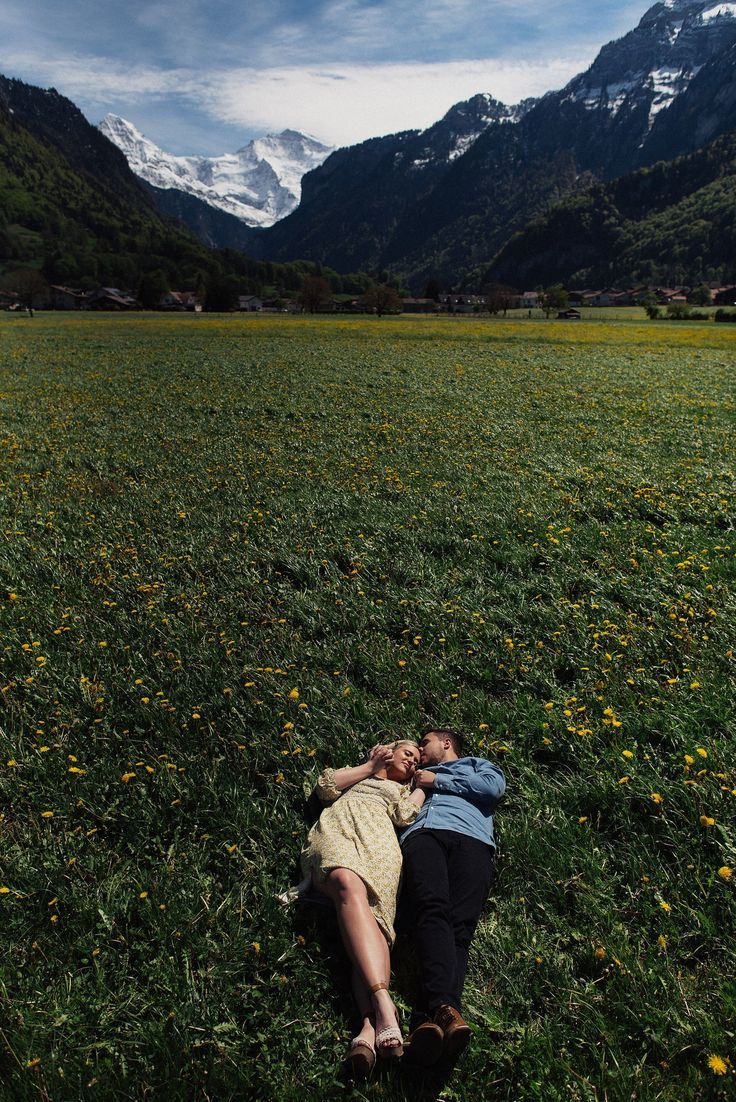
(587, 181)
(435, 204)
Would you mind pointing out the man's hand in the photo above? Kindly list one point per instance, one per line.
(424, 779)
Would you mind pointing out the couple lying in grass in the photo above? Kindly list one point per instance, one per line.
(442, 804)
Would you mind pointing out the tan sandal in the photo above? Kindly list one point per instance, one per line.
(386, 1049)
(360, 1059)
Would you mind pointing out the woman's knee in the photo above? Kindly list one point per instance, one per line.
(346, 884)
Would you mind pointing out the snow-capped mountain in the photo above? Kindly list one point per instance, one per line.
(656, 61)
(259, 184)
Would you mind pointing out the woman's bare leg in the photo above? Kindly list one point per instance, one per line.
(365, 944)
(363, 1001)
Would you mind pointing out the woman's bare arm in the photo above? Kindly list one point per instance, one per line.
(350, 775)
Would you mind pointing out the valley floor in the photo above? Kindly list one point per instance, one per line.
(235, 549)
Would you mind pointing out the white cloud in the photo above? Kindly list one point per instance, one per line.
(339, 104)
(342, 104)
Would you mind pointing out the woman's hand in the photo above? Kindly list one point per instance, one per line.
(379, 757)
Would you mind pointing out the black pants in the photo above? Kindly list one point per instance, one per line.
(447, 877)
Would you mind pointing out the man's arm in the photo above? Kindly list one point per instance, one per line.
(476, 779)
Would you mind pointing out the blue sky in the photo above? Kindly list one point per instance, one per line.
(205, 77)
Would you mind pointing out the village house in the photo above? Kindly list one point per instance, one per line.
(111, 298)
(250, 304)
(464, 304)
(667, 295)
(65, 298)
(528, 300)
(8, 300)
(419, 306)
(179, 300)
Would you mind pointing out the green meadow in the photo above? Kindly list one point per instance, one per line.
(234, 550)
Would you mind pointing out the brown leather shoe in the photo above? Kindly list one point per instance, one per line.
(455, 1029)
(424, 1045)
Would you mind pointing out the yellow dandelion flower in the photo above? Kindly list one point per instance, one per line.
(293, 694)
(127, 777)
(725, 872)
(47, 814)
(143, 895)
(624, 780)
(655, 797)
(662, 941)
(707, 821)
(4, 891)
(34, 1062)
(703, 753)
(601, 954)
(627, 754)
(255, 946)
(717, 1064)
(665, 906)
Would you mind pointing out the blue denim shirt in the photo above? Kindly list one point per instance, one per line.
(466, 793)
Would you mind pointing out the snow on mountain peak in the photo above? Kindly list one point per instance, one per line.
(259, 184)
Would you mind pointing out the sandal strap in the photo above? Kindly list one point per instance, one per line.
(360, 1042)
(390, 1033)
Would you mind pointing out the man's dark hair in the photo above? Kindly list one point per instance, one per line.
(454, 736)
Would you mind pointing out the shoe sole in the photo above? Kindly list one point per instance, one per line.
(457, 1041)
(426, 1047)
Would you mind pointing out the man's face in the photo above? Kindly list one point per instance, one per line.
(431, 749)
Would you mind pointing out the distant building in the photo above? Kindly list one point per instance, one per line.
(419, 306)
(111, 298)
(8, 300)
(178, 300)
(464, 304)
(65, 298)
(250, 304)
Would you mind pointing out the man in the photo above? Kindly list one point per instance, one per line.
(448, 869)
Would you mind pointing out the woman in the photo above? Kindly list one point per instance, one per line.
(352, 855)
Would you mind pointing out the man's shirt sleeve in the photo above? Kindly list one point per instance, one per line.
(475, 779)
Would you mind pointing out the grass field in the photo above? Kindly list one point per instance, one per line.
(233, 550)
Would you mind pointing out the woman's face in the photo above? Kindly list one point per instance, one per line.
(403, 764)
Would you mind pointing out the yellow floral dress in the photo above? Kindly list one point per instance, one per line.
(357, 832)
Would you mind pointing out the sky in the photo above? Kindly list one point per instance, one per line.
(206, 76)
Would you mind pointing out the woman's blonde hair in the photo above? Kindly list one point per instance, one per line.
(403, 742)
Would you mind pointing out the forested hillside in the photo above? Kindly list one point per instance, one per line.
(672, 223)
(71, 207)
